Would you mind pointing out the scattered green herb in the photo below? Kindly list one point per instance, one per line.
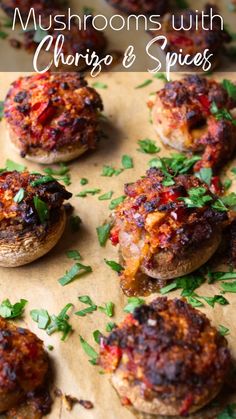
(216, 299)
(86, 192)
(161, 76)
(41, 317)
(148, 146)
(133, 302)
(85, 299)
(11, 166)
(222, 113)
(110, 326)
(144, 84)
(42, 209)
(228, 286)
(60, 323)
(3, 35)
(117, 201)
(1, 109)
(106, 196)
(205, 175)
(127, 162)
(83, 181)
(89, 351)
(230, 88)
(187, 283)
(42, 180)
(73, 254)
(19, 195)
(114, 265)
(11, 311)
(97, 336)
(108, 309)
(99, 85)
(227, 183)
(109, 171)
(197, 197)
(223, 331)
(76, 271)
(103, 233)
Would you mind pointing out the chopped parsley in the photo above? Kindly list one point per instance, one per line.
(1, 110)
(76, 271)
(224, 331)
(85, 299)
(3, 35)
(133, 302)
(42, 180)
(86, 192)
(11, 166)
(109, 171)
(42, 209)
(114, 265)
(197, 197)
(99, 85)
(222, 113)
(11, 311)
(205, 175)
(216, 299)
(19, 195)
(106, 196)
(127, 162)
(229, 412)
(73, 254)
(103, 233)
(52, 324)
(144, 84)
(220, 276)
(227, 183)
(62, 174)
(230, 88)
(110, 326)
(117, 201)
(83, 181)
(148, 146)
(108, 309)
(187, 283)
(97, 336)
(228, 286)
(177, 162)
(92, 354)
(161, 76)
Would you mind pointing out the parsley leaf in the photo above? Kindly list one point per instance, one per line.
(19, 195)
(222, 113)
(220, 276)
(197, 197)
(42, 209)
(60, 323)
(228, 286)
(114, 265)
(11, 166)
(77, 270)
(177, 162)
(1, 110)
(91, 191)
(127, 162)
(73, 254)
(103, 233)
(99, 85)
(97, 336)
(230, 411)
(230, 88)
(110, 326)
(148, 146)
(161, 76)
(41, 317)
(89, 351)
(194, 301)
(106, 196)
(205, 174)
(108, 309)
(83, 181)
(11, 311)
(85, 299)
(144, 84)
(216, 299)
(187, 283)
(117, 201)
(42, 180)
(62, 174)
(223, 331)
(109, 171)
(133, 302)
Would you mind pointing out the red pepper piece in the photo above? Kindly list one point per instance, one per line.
(46, 114)
(169, 196)
(181, 41)
(114, 237)
(187, 403)
(203, 99)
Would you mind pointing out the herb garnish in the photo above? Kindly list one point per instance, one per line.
(205, 175)
(42, 209)
(109, 171)
(11, 166)
(222, 113)
(53, 323)
(97, 336)
(144, 84)
(77, 270)
(106, 196)
(19, 196)
(177, 162)
(99, 85)
(42, 180)
(161, 76)
(228, 413)
(197, 197)
(187, 283)
(133, 302)
(11, 311)
(86, 192)
(85, 299)
(89, 351)
(73, 254)
(230, 88)
(114, 265)
(1, 110)
(83, 181)
(103, 233)
(127, 162)
(108, 309)
(223, 331)
(117, 201)
(148, 146)
(228, 286)
(62, 174)
(110, 326)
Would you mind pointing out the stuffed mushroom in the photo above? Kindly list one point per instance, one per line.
(166, 358)
(32, 216)
(52, 117)
(23, 364)
(167, 226)
(195, 114)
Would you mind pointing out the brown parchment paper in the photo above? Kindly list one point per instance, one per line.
(127, 121)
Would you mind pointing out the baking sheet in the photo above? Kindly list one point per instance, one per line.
(127, 121)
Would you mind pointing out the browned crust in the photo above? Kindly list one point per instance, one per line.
(28, 247)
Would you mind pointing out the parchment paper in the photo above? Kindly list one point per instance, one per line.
(128, 121)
